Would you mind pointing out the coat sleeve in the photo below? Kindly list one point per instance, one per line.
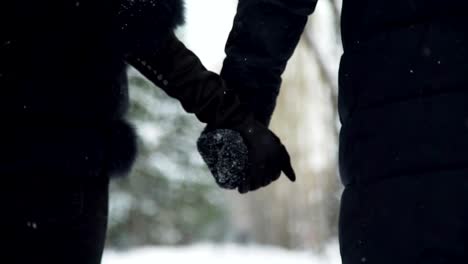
(181, 74)
(263, 38)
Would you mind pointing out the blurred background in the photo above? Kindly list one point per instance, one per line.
(171, 201)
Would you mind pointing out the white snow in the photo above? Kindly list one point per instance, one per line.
(208, 23)
(226, 254)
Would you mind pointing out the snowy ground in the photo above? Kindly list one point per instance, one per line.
(226, 254)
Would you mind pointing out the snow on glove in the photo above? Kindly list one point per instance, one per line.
(180, 73)
(247, 157)
(226, 154)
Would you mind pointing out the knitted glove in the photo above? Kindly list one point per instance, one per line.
(260, 157)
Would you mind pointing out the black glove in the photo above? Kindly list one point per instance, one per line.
(180, 73)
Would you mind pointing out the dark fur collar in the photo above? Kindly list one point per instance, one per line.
(176, 10)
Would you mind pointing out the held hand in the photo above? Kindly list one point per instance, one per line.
(268, 157)
(261, 157)
(247, 157)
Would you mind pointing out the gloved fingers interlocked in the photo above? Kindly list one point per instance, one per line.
(246, 158)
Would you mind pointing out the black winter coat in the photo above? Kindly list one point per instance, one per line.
(63, 81)
(403, 79)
